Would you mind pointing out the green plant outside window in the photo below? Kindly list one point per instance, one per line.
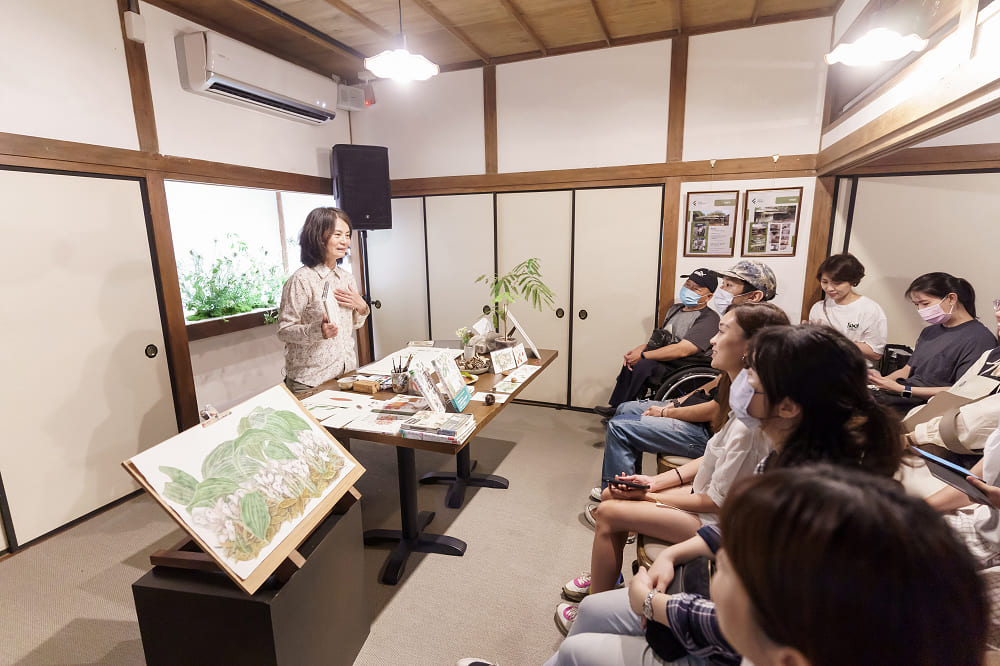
(237, 281)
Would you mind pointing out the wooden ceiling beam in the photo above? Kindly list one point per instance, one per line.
(361, 18)
(523, 22)
(756, 11)
(602, 22)
(298, 27)
(677, 9)
(457, 32)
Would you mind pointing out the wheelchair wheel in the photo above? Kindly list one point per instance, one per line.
(684, 381)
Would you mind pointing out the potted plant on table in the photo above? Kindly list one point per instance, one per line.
(524, 281)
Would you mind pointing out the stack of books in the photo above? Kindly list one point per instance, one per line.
(438, 427)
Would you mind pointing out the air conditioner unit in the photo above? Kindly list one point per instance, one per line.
(213, 65)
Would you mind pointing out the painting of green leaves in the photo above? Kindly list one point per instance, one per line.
(242, 483)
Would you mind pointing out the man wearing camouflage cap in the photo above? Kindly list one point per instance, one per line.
(747, 281)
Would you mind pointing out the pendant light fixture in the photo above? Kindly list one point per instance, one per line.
(878, 45)
(399, 64)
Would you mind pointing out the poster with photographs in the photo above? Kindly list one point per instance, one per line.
(710, 224)
(771, 223)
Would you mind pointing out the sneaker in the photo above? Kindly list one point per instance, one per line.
(590, 513)
(605, 411)
(474, 661)
(631, 537)
(565, 616)
(579, 587)
(595, 494)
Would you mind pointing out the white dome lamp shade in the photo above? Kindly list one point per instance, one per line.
(877, 46)
(399, 64)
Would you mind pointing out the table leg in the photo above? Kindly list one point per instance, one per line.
(463, 477)
(411, 538)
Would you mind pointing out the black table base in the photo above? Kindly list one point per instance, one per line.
(411, 538)
(463, 478)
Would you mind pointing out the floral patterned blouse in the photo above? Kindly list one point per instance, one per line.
(309, 358)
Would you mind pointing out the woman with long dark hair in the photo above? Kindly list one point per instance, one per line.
(318, 346)
(945, 349)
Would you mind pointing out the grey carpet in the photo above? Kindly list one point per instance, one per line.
(68, 599)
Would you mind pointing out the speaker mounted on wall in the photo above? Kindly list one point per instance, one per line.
(360, 177)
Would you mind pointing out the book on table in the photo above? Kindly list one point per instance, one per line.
(455, 389)
(404, 405)
(387, 424)
(457, 438)
(422, 379)
(433, 426)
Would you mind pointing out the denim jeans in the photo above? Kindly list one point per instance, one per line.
(630, 435)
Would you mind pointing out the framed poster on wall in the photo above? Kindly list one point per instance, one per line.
(771, 222)
(710, 223)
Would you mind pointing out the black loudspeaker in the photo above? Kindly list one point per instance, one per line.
(361, 184)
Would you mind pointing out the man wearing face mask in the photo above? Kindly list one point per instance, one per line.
(748, 281)
(682, 339)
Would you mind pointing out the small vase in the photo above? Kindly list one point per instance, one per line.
(468, 352)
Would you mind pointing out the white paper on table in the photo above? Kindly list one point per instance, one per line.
(481, 396)
(420, 354)
(483, 326)
(339, 399)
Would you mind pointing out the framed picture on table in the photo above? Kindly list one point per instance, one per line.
(710, 223)
(771, 222)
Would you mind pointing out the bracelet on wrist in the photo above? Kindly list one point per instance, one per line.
(679, 477)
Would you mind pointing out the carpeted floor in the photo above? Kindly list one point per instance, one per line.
(67, 600)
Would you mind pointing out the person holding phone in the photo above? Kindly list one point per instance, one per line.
(320, 305)
(669, 511)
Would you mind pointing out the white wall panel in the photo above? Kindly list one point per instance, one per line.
(909, 225)
(62, 72)
(191, 125)
(459, 250)
(80, 394)
(397, 270)
(986, 130)
(790, 272)
(757, 91)
(598, 108)
(432, 128)
(231, 368)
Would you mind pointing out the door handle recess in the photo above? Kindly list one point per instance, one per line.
(377, 304)
(583, 314)
(487, 309)
(560, 313)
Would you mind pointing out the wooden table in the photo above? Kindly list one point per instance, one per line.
(411, 537)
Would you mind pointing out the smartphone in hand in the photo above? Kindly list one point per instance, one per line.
(630, 484)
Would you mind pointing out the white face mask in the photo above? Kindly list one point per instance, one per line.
(721, 300)
(740, 395)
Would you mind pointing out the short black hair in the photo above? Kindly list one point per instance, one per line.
(940, 284)
(842, 268)
(318, 227)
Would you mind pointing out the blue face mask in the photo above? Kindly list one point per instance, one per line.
(689, 298)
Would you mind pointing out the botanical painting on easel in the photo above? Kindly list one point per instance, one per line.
(242, 484)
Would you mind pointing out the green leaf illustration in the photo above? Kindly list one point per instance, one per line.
(278, 451)
(178, 493)
(210, 491)
(217, 459)
(253, 511)
(292, 420)
(251, 443)
(278, 431)
(180, 477)
(245, 467)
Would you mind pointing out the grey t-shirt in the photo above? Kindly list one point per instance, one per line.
(942, 354)
(695, 326)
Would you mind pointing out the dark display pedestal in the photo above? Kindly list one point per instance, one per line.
(320, 616)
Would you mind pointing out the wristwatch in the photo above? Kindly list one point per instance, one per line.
(907, 391)
(642, 354)
(647, 605)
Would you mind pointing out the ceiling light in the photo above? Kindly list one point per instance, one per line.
(879, 45)
(399, 64)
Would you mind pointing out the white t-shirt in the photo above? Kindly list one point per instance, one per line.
(730, 454)
(861, 321)
(987, 519)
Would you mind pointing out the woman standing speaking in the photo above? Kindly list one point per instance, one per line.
(318, 346)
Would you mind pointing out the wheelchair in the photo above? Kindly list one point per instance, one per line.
(678, 383)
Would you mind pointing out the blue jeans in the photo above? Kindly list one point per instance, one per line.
(630, 435)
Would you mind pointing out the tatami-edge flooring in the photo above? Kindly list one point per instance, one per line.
(68, 600)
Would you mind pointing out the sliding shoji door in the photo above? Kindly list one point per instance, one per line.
(397, 275)
(615, 277)
(459, 249)
(85, 375)
(540, 224)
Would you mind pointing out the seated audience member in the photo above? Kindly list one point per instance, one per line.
(683, 337)
(675, 515)
(856, 316)
(806, 392)
(748, 281)
(960, 419)
(944, 350)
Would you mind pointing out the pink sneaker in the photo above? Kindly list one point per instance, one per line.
(578, 588)
(565, 616)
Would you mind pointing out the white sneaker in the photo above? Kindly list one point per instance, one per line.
(565, 616)
(578, 588)
(595, 494)
(474, 661)
(590, 513)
